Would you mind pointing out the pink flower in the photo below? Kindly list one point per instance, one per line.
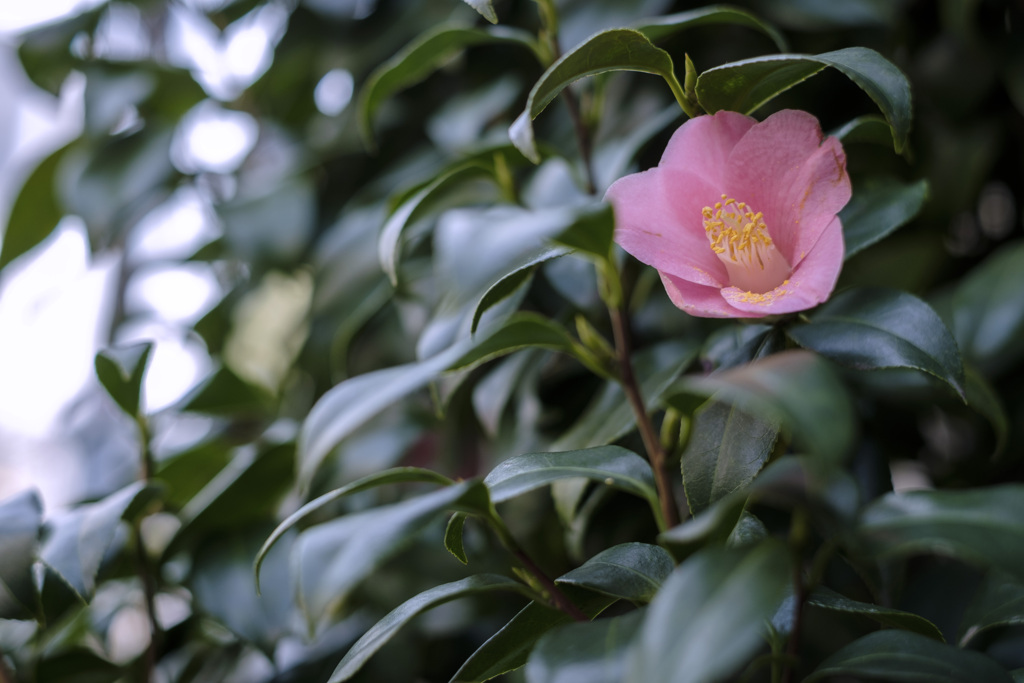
(739, 217)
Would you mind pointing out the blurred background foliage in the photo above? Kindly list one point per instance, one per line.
(173, 503)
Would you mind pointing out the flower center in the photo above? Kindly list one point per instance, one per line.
(740, 239)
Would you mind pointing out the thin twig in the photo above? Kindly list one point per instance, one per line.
(582, 138)
(146, 573)
(558, 598)
(655, 454)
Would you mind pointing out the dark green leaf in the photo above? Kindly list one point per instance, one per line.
(453, 537)
(872, 328)
(592, 233)
(981, 525)
(797, 388)
(746, 85)
(711, 526)
(225, 393)
(630, 571)
(510, 283)
(385, 629)
(613, 50)
(522, 330)
(397, 475)
(893, 655)
(708, 619)
(657, 28)
(36, 211)
(77, 665)
(828, 599)
(867, 128)
(120, 371)
(988, 317)
(423, 56)
(983, 399)
(613, 465)
(21, 518)
(727, 449)
(998, 602)
(77, 541)
(253, 224)
(184, 474)
(596, 651)
(334, 557)
(878, 209)
(509, 648)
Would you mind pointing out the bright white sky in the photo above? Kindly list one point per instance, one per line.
(51, 301)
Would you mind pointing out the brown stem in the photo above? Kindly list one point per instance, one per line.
(620, 329)
(582, 138)
(558, 598)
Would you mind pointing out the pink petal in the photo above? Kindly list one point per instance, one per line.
(701, 301)
(658, 220)
(702, 145)
(810, 284)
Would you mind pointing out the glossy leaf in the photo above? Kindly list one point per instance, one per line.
(21, 519)
(998, 602)
(612, 465)
(708, 618)
(797, 388)
(510, 283)
(658, 28)
(988, 318)
(36, 211)
(591, 234)
(334, 557)
(485, 8)
(77, 541)
(878, 209)
(873, 328)
(453, 537)
(397, 475)
(522, 330)
(630, 571)
(713, 525)
(826, 598)
(746, 85)
(509, 648)
(726, 450)
(385, 629)
(596, 651)
(893, 655)
(422, 57)
(982, 525)
(612, 50)
(867, 128)
(120, 371)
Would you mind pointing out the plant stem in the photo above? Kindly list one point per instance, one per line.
(797, 538)
(557, 597)
(146, 574)
(582, 138)
(655, 454)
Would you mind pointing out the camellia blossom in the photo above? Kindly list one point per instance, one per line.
(739, 217)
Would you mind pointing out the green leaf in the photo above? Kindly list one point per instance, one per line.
(892, 655)
(658, 28)
(984, 400)
(867, 128)
(872, 328)
(396, 475)
(609, 416)
(21, 519)
(425, 55)
(509, 648)
(714, 525)
(225, 393)
(982, 525)
(708, 619)
(453, 537)
(988, 316)
(827, 598)
(613, 465)
(630, 571)
(746, 85)
(77, 665)
(727, 449)
(334, 557)
(385, 629)
(77, 541)
(485, 8)
(797, 388)
(523, 330)
(510, 283)
(121, 370)
(998, 602)
(877, 209)
(596, 651)
(613, 50)
(350, 404)
(247, 490)
(592, 233)
(36, 211)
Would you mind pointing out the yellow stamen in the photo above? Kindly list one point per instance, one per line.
(739, 236)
